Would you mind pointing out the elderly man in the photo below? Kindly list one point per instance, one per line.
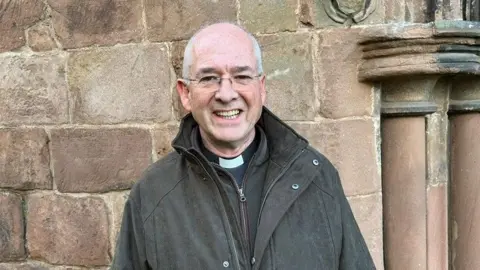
(242, 190)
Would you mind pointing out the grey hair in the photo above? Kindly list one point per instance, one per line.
(187, 54)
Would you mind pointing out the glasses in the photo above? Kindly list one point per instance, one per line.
(214, 82)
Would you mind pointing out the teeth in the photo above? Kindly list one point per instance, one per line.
(228, 114)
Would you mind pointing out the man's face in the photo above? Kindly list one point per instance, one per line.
(226, 111)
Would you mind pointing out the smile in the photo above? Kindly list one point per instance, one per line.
(228, 114)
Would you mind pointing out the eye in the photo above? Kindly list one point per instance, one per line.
(209, 79)
(243, 77)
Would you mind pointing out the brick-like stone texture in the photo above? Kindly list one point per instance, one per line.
(33, 89)
(163, 137)
(99, 160)
(40, 38)
(350, 145)
(340, 93)
(67, 230)
(368, 213)
(288, 67)
(178, 49)
(36, 265)
(268, 16)
(24, 159)
(116, 203)
(128, 83)
(12, 246)
(103, 22)
(176, 20)
(15, 17)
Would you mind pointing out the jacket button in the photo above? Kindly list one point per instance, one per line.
(253, 260)
(315, 162)
(226, 264)
(295, 186)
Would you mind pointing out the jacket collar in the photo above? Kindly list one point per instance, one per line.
(279, 142)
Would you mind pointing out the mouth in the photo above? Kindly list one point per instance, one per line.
(232, 114)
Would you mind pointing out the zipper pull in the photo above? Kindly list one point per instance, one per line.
(242, 196)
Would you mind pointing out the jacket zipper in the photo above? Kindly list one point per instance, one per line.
(243, 207)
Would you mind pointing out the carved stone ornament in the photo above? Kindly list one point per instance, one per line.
(342, 11)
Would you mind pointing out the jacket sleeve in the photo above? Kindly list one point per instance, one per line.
(354, 252)
(130, 248)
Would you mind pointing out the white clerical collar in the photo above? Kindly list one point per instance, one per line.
(230, 163)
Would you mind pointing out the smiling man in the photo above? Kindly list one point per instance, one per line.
(242, 190)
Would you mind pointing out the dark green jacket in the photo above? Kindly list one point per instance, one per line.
(185, 212)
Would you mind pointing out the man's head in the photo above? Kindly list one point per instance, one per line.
(223, 85)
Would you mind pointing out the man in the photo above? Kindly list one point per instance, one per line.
(242, 190)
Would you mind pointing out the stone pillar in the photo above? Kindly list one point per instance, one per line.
(404, 198)
(465, 182)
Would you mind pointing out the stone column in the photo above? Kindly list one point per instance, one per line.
(465, 182)
(404, 198)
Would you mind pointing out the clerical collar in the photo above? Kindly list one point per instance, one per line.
(230, 163)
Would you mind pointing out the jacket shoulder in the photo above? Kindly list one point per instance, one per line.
(156, 182)
(327, 175)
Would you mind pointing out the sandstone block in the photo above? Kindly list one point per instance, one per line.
(268, 16)
(103, 22)
(16, 17)
(33, 89)
(128, 83)
(12, 245)
(178, 49)
(340, 93)
(350, 145)
(163, 138)
(288, 68)
(67, 230)
(116, 203)
(99, 160)
(36, 265)
(40, 38)
(176, 20)
(368, 213)
(24, 159)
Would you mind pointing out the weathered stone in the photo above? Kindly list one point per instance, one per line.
(99, 160)
(116, 203)
(176, 20)
(437, 227)
(67, 230)
(268, 16)
(340, 93)
(312, 12)
(40, 38)
(437, 148)
(24, 159)
(404, 192)
(288, 67)
(163, 138)
(33, 89)
(37, 265)
(350, 145)
(128, 83)
(368, 214)
(15, 17)
(11, 227)
(408, 11)
(102, 22)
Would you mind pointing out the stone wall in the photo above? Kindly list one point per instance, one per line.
(87, 102)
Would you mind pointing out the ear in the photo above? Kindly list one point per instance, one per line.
(184, 94)
(263, 91)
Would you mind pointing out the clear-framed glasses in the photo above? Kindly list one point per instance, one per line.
(213, 82)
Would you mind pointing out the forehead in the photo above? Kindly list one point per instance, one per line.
(223, 52)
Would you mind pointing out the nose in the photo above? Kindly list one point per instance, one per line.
(225, 92)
